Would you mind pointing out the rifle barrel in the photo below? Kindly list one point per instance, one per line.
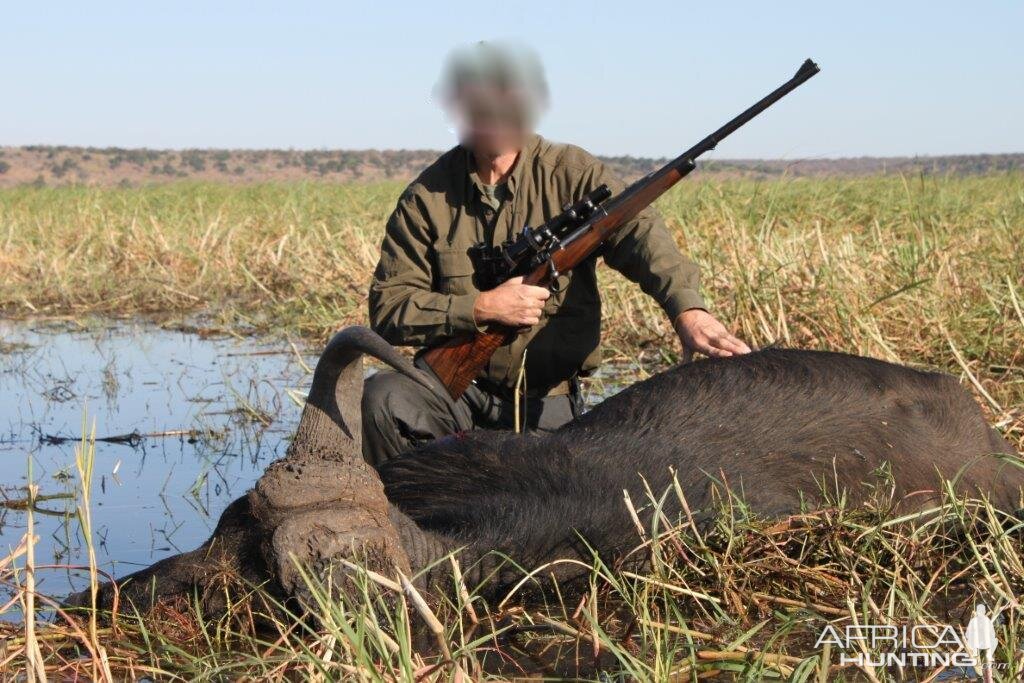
(683, 163)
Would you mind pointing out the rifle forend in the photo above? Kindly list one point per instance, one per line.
(566, 240)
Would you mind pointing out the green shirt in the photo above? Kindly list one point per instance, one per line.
(493, 195)
(423, 289)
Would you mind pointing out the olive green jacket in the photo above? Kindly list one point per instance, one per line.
(423, 289)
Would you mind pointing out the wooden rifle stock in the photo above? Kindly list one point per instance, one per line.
(459, 361)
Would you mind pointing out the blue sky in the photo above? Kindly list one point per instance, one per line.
(642, 78)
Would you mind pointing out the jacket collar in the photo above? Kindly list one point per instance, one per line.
(526, 156)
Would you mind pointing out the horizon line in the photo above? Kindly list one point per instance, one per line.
(426, 150)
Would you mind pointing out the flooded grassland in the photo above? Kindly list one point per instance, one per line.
(924, 271)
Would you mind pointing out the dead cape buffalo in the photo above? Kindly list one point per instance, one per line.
(776, 426)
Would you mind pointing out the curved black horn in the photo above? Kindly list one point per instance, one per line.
(331, 421)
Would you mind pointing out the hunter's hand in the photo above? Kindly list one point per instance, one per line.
(698, 330)
(511, 303)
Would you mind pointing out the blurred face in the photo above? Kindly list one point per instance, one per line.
(491, 120)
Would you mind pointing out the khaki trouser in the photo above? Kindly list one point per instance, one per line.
(400, 414)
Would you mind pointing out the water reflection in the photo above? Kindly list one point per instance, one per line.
(188, 423)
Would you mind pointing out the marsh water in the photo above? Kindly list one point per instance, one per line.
(185, 423)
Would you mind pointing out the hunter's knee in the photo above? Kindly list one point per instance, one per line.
(379, 390)
(389, 399)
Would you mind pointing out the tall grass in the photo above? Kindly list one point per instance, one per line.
(85, 460)
(852, 260)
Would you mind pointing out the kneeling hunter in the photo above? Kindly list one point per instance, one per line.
(501, 177)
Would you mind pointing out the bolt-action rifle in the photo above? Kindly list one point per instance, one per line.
(541, 254)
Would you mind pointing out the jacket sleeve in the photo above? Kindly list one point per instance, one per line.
(404, 308)
(644, 252)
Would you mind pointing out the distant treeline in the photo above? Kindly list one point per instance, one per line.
(60, 165)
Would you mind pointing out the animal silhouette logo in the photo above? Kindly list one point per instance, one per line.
(980, 639)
